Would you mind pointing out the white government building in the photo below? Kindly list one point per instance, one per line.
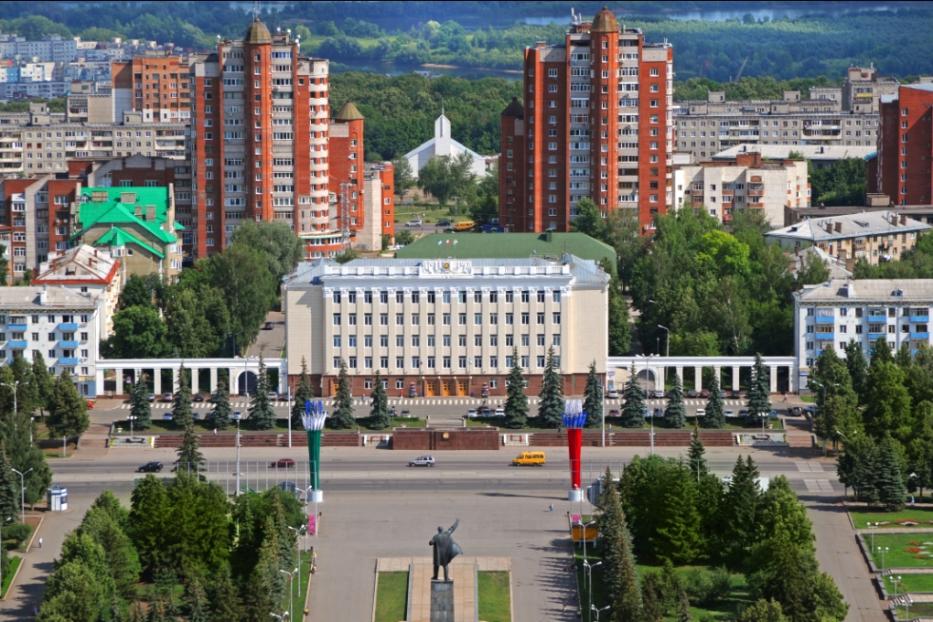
(832, 314)
(439, 327)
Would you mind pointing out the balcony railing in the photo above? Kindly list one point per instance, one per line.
(921, 319)
(925, 336)
(69, 344)
(825, 336)
(825, 319)
(877, 318)
(17, 327)
(68, 327)
(17, 344)
(68, 361)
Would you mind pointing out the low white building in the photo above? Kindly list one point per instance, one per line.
(832, 314)
(441, 145)
(62, 324)
(748, 182)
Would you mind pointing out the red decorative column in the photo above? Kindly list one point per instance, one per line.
(574, 420)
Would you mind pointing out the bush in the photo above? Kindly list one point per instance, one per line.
(707, 587)
(15, 535)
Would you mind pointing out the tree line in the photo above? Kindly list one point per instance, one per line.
(677, 513)
(217, 306)
(881, 410)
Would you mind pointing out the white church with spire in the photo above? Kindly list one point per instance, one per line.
(443, 144)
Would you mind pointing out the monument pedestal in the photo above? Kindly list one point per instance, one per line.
(442, 601)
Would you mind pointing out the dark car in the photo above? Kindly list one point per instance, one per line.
(443, 223)
(150, 467)
(289, 487)
(704, 393)
(693, 393)
(198, 397)
(151, 397)
(282, 463)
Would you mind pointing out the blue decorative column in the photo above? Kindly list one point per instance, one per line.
(313, 421)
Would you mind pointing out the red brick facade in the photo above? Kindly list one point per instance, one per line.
(156, 84)
(345, 171)
(903, 167)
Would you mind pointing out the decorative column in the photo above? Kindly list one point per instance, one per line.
(313, 421)
(157, 382)
(772, 376)
(574, 420)
(195, 381)
(735, 378)
(213, 380)
(697, 379)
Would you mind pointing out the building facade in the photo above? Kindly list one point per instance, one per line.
(259, 130)
(62, 324)
(746, 183)
(378, 207)
(437, 327)
(159, 87)
(832, 314)
(443, 145)
(596, 123)
(345, 168)
(901, 168)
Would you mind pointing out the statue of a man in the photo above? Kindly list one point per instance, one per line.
(445, 549)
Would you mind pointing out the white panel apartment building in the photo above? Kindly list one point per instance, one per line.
(832, 314)
(63, 324)
(445, 326)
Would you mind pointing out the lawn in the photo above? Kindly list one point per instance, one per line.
(921, 516)
(9, 574)
(903, 550)
(912, 583)
(429, 213)
(494, 597)
(917, 610)
(392, 597)
(304, 575)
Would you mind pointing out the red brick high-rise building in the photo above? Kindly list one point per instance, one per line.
(902, 168)
(157, 86)
(259, 126)
(345, 154)
(596, 123)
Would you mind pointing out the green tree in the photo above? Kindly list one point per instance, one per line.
(44, 380)
(151, 524)
(264, 588)
(219, 417)
(759, 406)
(887, 404)
(27, 393)
(25, 456)
(121, 557)
(696, 457)
(68, 412)
(858, 368)
(9, 488)
(261, 415)
(841, 183)
(223, 598)
(633, 409)
(739, 514)
(181, 405)
(675, 413)
(190, 459)
(446, 178)
(303, 393)
(138, 332)
(404, 237)
(622, 587)
(652, 596)
(276, 241)
(342, 417)
(551, 399)
(205, 542)
(402, 175)
(379, 413)
(195, 319)
(589, 219)
(714, 416)
(139, 404)
(516, 402)
(75, 592)
(683, 607)
(889, 479)
(593, 397)
(836, 401)
(620, 336)
(763, 611)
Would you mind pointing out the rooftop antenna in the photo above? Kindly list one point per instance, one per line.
(255, 10)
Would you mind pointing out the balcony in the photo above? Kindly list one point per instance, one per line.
(17, 327)
(924, 336)
(71, 345)
(877, 319)
(68, 327)
(68, 361)
(824, 336)
(920, 319)
(825, 319)
(872, 337)
(17, 344)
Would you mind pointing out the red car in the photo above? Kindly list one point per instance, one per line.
(283, 463)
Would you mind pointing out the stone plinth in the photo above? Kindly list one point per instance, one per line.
(442, 601)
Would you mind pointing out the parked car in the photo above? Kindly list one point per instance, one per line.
(612, 394)
(166, 397)
(289, 487)
(500, 411)
(693, 393)
(272, 396)
(90, 404)
(701, 412)
(150, 467)
(743, 412)
(282, 463)
(198, 397)
(728, 414)
(444, 222)
(425, 461)
(704, 393)
(151, 397)
(471, 414)
(414, 223)
(529, 458)
(484, 411)
(614, 413)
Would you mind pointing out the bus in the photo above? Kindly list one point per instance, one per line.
(463, 225)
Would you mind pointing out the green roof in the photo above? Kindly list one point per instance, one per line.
(120, 207)
(507, 245)
(122, 237)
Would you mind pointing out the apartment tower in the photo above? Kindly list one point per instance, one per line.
(259, 133)
(901, 168)
(596, 123)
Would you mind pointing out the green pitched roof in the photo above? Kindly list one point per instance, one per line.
(122, 237)
(507, 245)
(118, 207)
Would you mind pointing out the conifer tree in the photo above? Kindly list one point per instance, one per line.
(696, 458)
(68, 413)
(675, 413)
(379, 412)
(139, 405)
(181, 405)
(593, 398)
(858, 368)
(758, 403)
(219, 417)
(551, 399)
(739, 512)
(619, 570)
(261, 415)
(889, 480)
(342, 417)
(516, 402)
(633, 410)
(45, 382)
(302, 395)
(190, 458)
(715, 416)
(9, 489)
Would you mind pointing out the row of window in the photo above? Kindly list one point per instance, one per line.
(431, 362)
(445, 319)
(445, 340)
(891, 329)
(36, 319)
(890, 311)
(49, 336)
(446, 296)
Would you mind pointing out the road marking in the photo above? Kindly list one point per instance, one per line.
(812, 485)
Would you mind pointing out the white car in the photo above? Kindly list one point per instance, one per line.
(612, 394)
(414, 223)
(500, 411)
(701, 412)
(425, 461)
(471, 414)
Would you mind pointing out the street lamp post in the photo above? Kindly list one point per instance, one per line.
(588, 567)
(131, 419)
(236, 417)
(15, 387)
(598, 610)
(883, 550)
(667, 340)
(22, 498)
(583, 527)
(288, 414)
(291, 595)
